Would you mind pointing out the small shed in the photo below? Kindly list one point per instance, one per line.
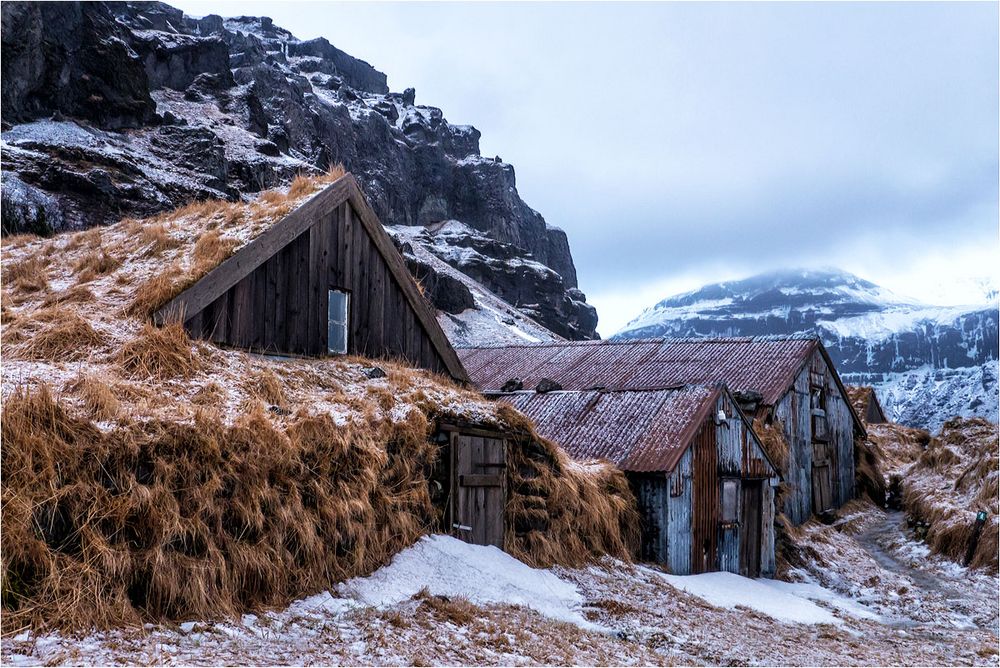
(866, 404)
(787, 380)
(324, 280)
(704, 484)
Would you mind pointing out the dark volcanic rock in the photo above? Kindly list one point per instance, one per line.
(75, 59)
(228, 107)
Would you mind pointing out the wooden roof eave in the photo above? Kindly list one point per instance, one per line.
(345, 189)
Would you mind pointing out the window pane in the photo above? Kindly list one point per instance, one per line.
(337, 310)
(338, 339)
(337, 306)
(729, 490)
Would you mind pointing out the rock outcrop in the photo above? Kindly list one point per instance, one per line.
(128, 109)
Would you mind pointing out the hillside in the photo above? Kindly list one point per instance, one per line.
(131, 109)
(927, 363)
(148, 476)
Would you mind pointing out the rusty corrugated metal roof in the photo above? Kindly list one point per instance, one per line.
(638, 430)
(764, 364)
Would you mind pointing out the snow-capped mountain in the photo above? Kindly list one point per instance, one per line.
(926, 362)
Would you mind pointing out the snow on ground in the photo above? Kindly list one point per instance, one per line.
(444, 602)
(728, 590)
(480, 574)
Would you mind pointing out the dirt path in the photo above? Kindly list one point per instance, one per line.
(968, 597)
(879, 539)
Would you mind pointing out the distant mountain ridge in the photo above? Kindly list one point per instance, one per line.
(927, 362)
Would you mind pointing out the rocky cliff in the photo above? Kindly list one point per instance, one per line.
(128, 109)
(927, 363)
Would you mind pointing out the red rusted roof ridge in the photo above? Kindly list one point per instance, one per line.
(764, 364)
(639, 430)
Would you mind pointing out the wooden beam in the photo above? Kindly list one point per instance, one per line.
(480, 480)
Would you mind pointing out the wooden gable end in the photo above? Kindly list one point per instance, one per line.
(272, 295)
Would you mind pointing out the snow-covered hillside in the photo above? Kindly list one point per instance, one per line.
(928, 363)
(469, 313)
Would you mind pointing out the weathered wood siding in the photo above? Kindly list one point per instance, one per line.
(281, 306)
(729, 444)
(681, 510)
(795, 412)
(651, 496)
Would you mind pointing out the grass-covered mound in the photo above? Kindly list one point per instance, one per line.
(146, 475)
(953, 478)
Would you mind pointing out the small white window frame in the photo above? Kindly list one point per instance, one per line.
(335, 321)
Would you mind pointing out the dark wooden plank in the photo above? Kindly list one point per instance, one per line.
(251, 256)
(272, 290)
(360, 292)
(317, 301)
(258, 337)
(480, 480)
(298, 295)
(220, 314)
(347, 247)
(243, 316)
(193, 326)
(281, 264)
(378, 319)
(333, 270)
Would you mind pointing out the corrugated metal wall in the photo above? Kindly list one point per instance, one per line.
(705, 500)
(678, 548)
(651, 495)
(794, 410)
(681, 510)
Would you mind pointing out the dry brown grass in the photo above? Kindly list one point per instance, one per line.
(868, 475)
(560, 512)
(91, 238)
(956, 475)
(27, 275)
(157, 238)
(98, 262)
(160, 353)
(265, 385)
(78, 294)
(458, 611)
(97, 396)
(54, 334)
(180, 521)
(210, 250)
(772, 438)
(155, 292)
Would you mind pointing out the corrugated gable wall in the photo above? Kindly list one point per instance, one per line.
(795, 412)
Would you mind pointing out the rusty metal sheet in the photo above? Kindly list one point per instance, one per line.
(637, 430)
(764, 364)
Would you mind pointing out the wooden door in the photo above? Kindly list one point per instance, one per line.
(822, 478)
(480, 489)
(751, 522)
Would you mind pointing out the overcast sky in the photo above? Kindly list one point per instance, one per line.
(685, 143)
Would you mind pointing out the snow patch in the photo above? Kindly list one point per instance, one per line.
(481, 574)
(784, 601)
